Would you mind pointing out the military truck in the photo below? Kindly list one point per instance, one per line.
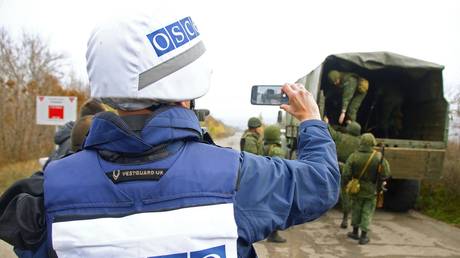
(404, 108)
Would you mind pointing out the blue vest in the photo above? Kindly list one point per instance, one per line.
(183, 209)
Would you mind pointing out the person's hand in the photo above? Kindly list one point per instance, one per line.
(326, 120)
(301, 105)
(341, 117)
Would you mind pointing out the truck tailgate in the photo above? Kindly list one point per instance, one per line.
(415, 163)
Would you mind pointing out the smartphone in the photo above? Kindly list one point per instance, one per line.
(268, 95)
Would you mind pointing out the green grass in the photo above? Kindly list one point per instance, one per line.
(441, 199)
(439, 202)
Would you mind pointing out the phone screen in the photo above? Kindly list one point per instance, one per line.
(268, 95)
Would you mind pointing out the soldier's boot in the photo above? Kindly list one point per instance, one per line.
(354, 234)
(344, 223)
(275, 238)
(363, 239)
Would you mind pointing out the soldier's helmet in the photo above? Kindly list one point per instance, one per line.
(333, 75)
(272, 134)
(254, 122)
(353, 128)
(368, 140)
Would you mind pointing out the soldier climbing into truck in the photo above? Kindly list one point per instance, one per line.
(401, 103)
(351, 90)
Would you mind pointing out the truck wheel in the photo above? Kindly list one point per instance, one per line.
(401, 195)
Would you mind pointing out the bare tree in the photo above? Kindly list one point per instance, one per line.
(27, 69)
(28, 60)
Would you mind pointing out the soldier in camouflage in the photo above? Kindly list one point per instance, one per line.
(363, 165)
(272, 148)
(346, 143)
(354, 89)
(252, 139)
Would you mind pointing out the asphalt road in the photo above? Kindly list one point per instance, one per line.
(407, 235)
(392, 235)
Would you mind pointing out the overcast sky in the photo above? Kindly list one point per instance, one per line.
(264, 42)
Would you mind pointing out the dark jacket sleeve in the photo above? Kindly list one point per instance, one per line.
(277, 193)
(22, 215)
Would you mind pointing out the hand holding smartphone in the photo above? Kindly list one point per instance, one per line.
(268, 95)
(303, 106)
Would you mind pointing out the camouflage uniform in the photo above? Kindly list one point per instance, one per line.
(272, 142)
(354, 90)
(346, 144)
(272, 148)
(251, 141)
(363, 202)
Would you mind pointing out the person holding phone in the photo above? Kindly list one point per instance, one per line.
(147, 183)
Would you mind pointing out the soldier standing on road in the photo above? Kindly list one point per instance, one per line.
(363, 165)
(252, 139)
(272, 148)
(354, 89)
(346, 143)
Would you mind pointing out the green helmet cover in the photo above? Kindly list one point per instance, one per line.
(353, 128)
(254, 122)
(272, 134)
(368, 140)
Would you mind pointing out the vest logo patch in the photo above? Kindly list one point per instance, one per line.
(119, 176)
(214, 252)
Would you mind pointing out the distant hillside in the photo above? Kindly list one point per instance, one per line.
(217, 128)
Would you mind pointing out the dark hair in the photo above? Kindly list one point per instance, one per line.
(79, 132)
(91, 107)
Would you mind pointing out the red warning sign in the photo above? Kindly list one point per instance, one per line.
(56, 112)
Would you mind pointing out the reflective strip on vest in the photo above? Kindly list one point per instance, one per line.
(203, 231)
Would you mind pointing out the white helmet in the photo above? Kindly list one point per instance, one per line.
(137, 61)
